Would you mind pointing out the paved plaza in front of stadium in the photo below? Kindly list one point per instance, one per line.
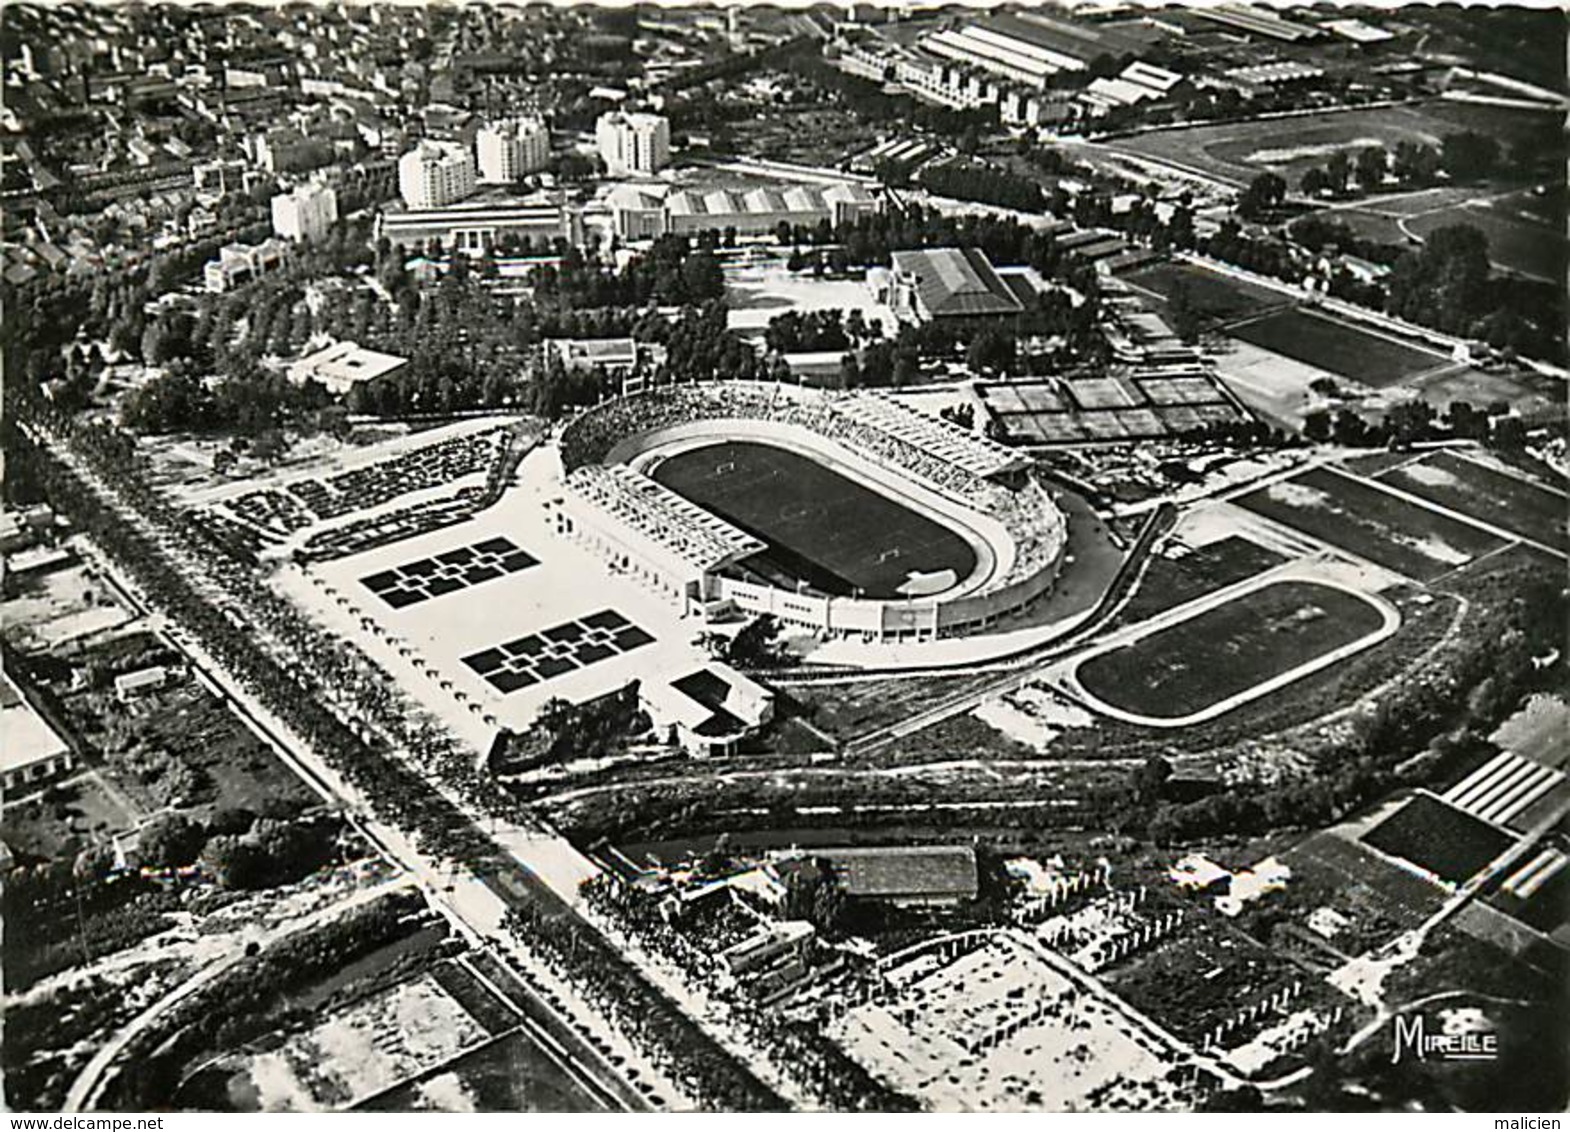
(487, 651)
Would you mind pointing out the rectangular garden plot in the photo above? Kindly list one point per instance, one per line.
(448, 572)
(553, 652)
(1449, 843)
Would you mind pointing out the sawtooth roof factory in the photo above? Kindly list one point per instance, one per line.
(639, 214)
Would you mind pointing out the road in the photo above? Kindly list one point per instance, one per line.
(475, 897)
(1021, 669)
(90, 1082)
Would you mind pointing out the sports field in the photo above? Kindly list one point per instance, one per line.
(1525, 230)
(1517, 239)
(1199, 662)
(1515, 504)
(1172, 578)
(1211, 293)
(1237, 152)
(1438, 838)
(821, 528)
(1370, 523)
(1338, 347)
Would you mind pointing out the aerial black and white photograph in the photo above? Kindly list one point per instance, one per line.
(833, 558)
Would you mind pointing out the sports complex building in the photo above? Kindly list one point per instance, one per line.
(842, 515)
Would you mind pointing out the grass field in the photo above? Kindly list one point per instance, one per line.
(1445, 841)
(821, 528)
(1212, 294)
(1535, 396)
(1237, 152)
(1228, 649)
(1517, 239)
(1337, 347)
(1506, 501)
(1370, 523)
(1168, 582)
(1525, 230)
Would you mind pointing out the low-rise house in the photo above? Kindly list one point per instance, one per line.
(342, 365)
(33, 752)
(133, 685)
(710, 711)
(769, 946)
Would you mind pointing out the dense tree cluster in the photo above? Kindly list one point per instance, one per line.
(676, 271)
(666, 1035)
(754, 645)
(563, 731)
(182, 402)
(251, 999)
(1463, 157)
(1411, 422)
(1264, 193)
(985, 183)
(798, 1047)
(1447, 284)
(806, 331)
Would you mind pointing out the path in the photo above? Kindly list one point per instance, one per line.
(90, 1082)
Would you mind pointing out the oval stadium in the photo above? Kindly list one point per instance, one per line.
(845, 515)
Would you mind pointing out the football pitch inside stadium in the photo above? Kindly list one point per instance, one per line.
(821, 527)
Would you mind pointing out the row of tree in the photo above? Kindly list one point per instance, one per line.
(984, 183)
(1463, 157)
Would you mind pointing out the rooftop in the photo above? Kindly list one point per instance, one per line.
(28, 737)
(956, 282)
(913, 871)
(342, 364)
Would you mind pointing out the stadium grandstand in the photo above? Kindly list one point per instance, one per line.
(965, 484)
(643, 520)
(948, 441)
